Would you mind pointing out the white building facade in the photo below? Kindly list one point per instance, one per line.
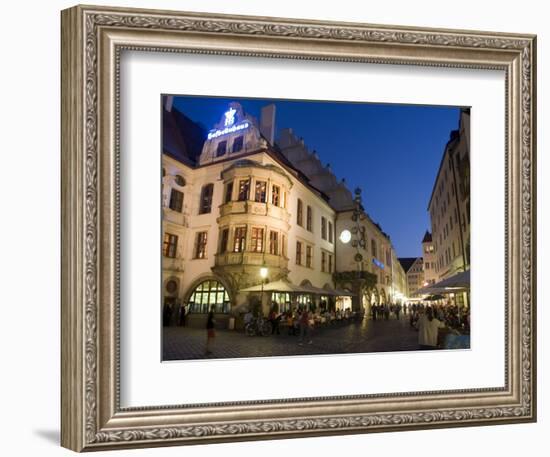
(247, 203)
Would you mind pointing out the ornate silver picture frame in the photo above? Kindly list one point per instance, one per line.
(93, 40)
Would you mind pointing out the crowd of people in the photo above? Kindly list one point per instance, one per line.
(453, 316)
(431, 320)
(299, 321)
(385, 311)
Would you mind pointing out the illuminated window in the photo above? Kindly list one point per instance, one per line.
(224, 238)
(169, 245)
(239, 239)
(200, 245)
(276, 195)
(298, 253)
(209, 295)
(273, 242)
(244, 186)
(309, 252)
(257, 239)
(260, 191)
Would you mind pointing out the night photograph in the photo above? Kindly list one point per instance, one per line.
(298, 227)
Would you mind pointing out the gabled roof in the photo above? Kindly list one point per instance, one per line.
(182, 138)
(407, 262)
(427, 237)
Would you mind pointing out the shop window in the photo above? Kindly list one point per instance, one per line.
(208, 296)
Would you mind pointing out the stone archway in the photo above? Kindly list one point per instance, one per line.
(383, 298)
(205, 293)
(366, 302)
(375, 296)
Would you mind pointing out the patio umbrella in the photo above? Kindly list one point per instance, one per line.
(278, 286)
(455, 283)
(434, 297)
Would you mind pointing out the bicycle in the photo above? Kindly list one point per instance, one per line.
(258, 326)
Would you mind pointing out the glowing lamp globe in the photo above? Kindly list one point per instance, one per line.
(263, 272)
(345, 236)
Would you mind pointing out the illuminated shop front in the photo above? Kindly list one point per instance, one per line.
(209, 295)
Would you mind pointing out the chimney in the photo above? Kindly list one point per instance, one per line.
(267, 123)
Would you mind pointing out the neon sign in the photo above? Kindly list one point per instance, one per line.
(225, 131)
(378, 263)
(230, 117)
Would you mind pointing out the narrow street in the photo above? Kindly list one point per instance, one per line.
(183, 343)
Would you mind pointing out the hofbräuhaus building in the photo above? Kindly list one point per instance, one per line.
(238, 204)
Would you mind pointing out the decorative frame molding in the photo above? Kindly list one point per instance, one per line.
(92, 40)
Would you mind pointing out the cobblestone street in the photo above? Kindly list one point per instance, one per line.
(183, 343)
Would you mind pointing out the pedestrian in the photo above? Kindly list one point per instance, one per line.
(166, 314)
(397, 310)
(304, 326)
(290, 323)
(428, 329)
(182, 315)
(386, 312)
(210, 332)
(248, 318)
(274, 320)
(374, 310)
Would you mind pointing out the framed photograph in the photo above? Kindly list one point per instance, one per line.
(278, 228)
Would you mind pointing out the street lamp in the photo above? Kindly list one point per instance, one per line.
(263, 275)
(345, 236)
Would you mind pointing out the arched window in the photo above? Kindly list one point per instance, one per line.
(209, 295)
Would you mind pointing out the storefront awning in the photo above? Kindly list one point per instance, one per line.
(285, 286)
(331, 292)
(456, 283)
(278, 286)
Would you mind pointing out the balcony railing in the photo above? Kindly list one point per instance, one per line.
(175, 217)
(251, 258)
(370, 278)
(173, 264)
(255, 208)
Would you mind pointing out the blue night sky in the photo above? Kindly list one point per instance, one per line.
(391, 151)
